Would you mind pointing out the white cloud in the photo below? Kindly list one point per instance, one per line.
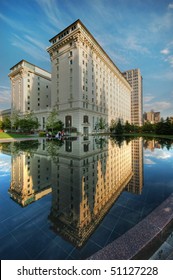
(165, 51)
(5, 97)
(53, 12)
(158, 154)
(160, 23)
(158, 105)
(31, 46)
(148, 98)
(133, 43)
(35, 42)
(5, 165)
(170, 6)
(166, 76)
(17, 25)
(169, 59)
(149, 161)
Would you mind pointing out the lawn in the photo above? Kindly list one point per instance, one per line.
(4, 135)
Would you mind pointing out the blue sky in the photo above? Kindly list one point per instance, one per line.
(134, 33)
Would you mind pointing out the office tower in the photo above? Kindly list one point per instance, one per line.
(87, 87)
(135, 80)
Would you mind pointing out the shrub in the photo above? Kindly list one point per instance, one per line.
(42, 134)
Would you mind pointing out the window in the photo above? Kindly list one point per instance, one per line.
(85, 119)
(71, 62)
(68, 121)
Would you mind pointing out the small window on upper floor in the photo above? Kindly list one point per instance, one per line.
(73, 27)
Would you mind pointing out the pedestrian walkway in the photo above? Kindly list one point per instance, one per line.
(5, 140)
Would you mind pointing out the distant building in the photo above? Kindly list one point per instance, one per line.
(86, 84)
(171, 119)
(135, 80)
(30, 90)
(152, 117)
(4, 114)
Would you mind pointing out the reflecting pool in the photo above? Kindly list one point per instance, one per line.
(68, 199)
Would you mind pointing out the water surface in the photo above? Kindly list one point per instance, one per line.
(68, 199)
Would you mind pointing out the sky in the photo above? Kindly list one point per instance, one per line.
(134, 33)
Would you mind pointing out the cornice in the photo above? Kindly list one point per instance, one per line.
(81, 35)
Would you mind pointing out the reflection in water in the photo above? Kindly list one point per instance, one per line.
(30, 173)
(31, 178)
(136, 183)
(86, 183)
(85, 176)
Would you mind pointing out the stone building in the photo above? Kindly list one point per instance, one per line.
(86, 85)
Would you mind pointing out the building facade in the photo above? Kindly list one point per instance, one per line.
(5, 114)
(30, 90)
(86, 85)
(135, 80)
(152, 117)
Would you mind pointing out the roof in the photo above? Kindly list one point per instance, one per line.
(23, 60)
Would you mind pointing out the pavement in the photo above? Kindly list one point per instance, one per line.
(5, 140)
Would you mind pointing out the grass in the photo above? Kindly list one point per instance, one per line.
(4, 135)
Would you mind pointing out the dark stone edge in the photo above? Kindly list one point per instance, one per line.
(141, 241)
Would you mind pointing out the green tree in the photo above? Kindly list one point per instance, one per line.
(127, 127)
(52, 121)
(28, 123)
(148, 127)
(1, 125)
(7, 123)
(119, 127)
(14, 119)
(101, 124)
(160, 127)
(112, 126)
